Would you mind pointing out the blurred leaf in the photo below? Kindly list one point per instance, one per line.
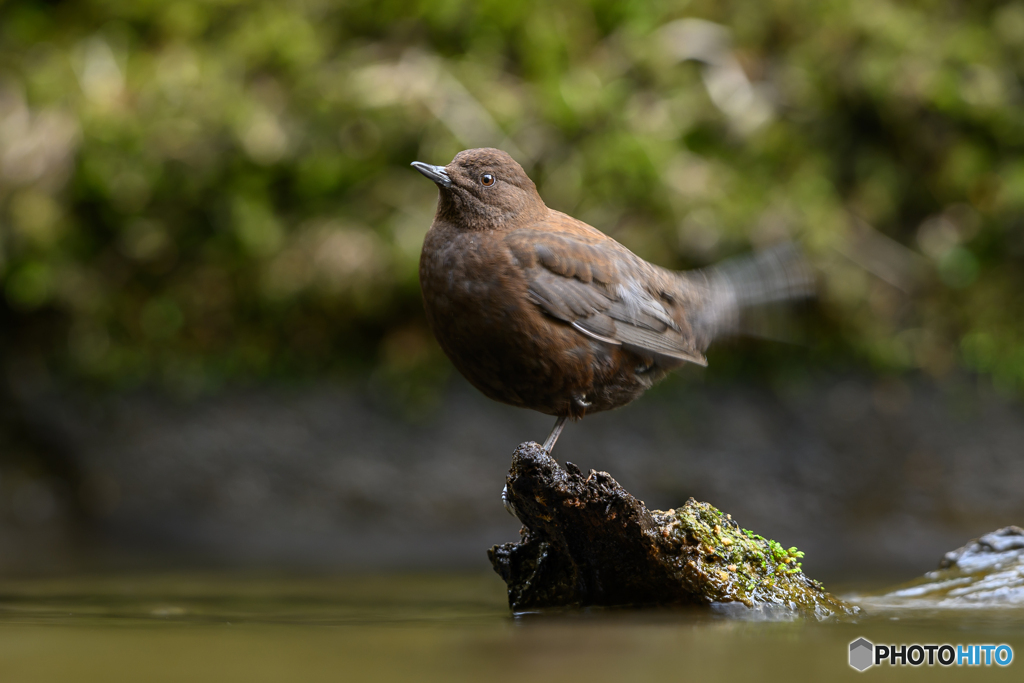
(214, 190)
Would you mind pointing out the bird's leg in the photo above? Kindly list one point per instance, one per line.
(549, 442)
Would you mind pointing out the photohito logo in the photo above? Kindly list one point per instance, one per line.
(862, 654)
(865, 654)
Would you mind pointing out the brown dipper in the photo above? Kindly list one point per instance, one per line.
(539, 310)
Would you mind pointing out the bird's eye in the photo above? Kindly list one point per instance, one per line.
(487, 179)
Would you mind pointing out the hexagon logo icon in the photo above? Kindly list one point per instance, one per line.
(861, 654)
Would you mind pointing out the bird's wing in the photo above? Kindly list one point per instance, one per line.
(604, 291)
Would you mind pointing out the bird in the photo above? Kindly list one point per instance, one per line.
(542, 311)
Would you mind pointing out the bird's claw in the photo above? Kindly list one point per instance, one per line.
(508, 503)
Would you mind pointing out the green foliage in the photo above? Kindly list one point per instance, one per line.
(193, 191)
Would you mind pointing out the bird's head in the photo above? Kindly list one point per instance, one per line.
(484, 189)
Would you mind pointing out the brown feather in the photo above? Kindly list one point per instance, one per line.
(542, 311)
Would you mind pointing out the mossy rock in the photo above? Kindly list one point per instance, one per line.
(587, 541)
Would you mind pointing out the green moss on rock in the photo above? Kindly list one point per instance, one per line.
(733, 564)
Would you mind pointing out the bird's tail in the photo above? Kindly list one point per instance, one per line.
(736, 287)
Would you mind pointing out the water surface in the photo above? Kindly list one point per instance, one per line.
(446, 627)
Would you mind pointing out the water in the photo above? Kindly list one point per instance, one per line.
(429, 628)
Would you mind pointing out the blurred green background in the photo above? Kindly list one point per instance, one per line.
(197, 196)
(194, 192)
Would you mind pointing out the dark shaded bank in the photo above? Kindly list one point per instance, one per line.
(587, 541)
(865, 476)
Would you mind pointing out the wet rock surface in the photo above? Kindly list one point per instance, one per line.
(985, 573)
(587, 541)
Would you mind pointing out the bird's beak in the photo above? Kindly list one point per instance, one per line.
(435, 173)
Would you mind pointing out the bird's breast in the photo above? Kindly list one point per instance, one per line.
(472, 290)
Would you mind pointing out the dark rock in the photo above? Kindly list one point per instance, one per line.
(986, 572)
(1003, 546)
(587, 541)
